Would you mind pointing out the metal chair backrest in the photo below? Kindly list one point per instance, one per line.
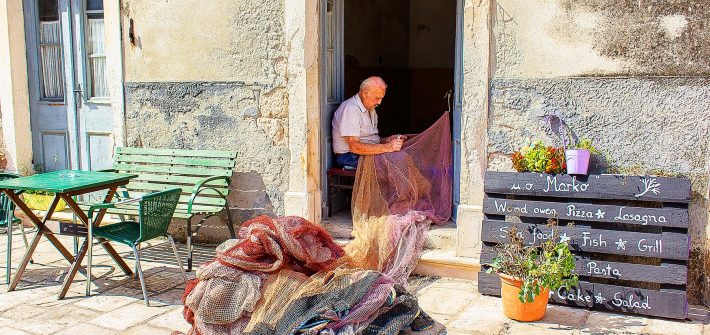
(155, 212)
(5, 203)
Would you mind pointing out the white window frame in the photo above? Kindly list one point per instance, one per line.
(40, 66)
(88, 64)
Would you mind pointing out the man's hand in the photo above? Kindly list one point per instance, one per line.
(394, 145)
(394, 137)
(360, 148)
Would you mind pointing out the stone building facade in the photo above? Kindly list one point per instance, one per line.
(248, 76)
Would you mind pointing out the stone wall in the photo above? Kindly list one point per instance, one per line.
(212, 75)
(632, 76)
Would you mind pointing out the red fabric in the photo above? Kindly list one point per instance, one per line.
(187, 312)
(267, 245)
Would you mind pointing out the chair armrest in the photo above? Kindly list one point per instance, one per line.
(108, 170)
(200, 186)
(110, 205)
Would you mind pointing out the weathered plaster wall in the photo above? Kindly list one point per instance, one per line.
(3, 160)
(210, 41)
(212, 76)
(14, 92)
(632, 76)
(554, 38)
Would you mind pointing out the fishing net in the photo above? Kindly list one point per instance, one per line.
(287, 276)
(398, 195)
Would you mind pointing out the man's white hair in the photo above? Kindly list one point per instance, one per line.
(372, 82)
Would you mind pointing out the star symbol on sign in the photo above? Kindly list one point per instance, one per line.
(599, 299)
(600, 214)
(564, 238)
(620, 244)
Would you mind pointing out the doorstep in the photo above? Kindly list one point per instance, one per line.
(442, 263)
(445, 263)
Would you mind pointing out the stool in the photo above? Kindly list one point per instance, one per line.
(335, 182)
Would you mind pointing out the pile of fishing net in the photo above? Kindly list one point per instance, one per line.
(287, 276)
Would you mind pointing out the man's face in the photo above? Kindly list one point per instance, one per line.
(372, 97)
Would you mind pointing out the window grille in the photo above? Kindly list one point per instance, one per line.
(97, 57)
(50, 51)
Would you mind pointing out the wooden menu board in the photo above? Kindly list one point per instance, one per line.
(629, 237)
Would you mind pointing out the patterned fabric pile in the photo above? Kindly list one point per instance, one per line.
(287, 276)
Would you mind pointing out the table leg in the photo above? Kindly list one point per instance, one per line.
(25, 260)
(41, 231)
(73, 270)
(86, 248)
(116, 257)
(82, 216)
(40, 223)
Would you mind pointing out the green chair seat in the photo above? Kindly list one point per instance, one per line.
(126, 232)
(14, 220)
(154, 211)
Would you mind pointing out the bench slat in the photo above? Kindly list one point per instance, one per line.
(181, 208)
(185, 198)
(176, 152)
(193, 171)
(200, 162)
(179, 179)
(161, 187)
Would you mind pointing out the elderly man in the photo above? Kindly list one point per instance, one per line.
(355, 126)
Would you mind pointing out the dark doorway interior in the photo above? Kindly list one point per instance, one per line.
(411, 45)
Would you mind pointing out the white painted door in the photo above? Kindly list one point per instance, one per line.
(47, 85)
(94, 116)
(72, 120)
(332, 13)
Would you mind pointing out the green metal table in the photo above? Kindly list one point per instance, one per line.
(65, 184)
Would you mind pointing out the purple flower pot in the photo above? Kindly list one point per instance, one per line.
(577, 161)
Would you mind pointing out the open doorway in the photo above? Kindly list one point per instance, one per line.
(411, 44)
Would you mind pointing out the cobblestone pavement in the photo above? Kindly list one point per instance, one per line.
(116, 304)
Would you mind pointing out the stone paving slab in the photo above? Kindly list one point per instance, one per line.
(116, 305)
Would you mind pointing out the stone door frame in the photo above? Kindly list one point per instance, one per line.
(303, 197)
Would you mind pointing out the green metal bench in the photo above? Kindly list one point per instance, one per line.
(203, 176)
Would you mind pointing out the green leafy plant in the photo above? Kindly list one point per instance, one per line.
(548, 265)
(539, 158)
(586, 143)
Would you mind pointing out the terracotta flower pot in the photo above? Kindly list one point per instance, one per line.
(516, 310)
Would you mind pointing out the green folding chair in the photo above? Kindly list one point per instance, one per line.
(155, 211)
(8, 220)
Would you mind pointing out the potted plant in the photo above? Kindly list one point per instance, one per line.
(577, 155)
(528, 273)
(537, 157)
(40, 200)
(577, 158)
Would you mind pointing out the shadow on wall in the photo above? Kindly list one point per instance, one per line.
(658, 38)
(247, 199)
